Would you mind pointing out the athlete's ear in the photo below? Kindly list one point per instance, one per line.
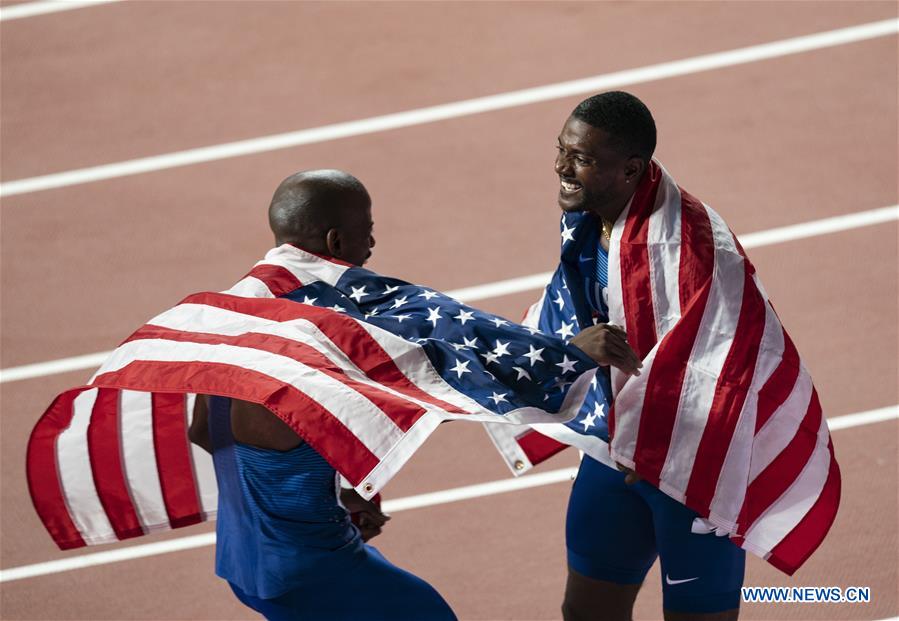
(334, 243)
(634, 168)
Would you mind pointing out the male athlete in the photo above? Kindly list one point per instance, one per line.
(617, 524)
(285, 542)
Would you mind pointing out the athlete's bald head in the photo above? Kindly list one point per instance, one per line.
(323, 211)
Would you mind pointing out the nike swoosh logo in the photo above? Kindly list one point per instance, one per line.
(668, 580)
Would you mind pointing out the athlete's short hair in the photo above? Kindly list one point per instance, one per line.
(625, 118)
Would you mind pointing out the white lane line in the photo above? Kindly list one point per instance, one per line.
(468, 492)
(30, 9)
(863, 418)
(104, 558)
(823, 226)
(518, 285)
(430, 499)
(62, 365)
(501, 287)
(618, 79)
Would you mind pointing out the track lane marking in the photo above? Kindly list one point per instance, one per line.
(457, 109)
(52, 367)
(407, 503)
(521, 284)
(863, 418)
(30, 9)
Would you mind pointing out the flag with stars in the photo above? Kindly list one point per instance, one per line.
(724, 417)
(570, 302)
(361, 366)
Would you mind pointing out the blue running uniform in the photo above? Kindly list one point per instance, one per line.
(288, 548)
(614, 531)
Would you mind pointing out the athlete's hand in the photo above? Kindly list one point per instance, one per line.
(607, 344)
(630, 477)
(366, 514)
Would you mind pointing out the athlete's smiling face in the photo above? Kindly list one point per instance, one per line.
(593, 174)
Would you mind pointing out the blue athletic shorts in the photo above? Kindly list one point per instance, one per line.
(374, 589)
(614, 532)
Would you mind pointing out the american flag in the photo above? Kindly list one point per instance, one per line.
(724, 417)
(361, 366)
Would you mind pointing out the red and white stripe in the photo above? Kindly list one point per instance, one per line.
(286, 268)
(106, 464)
(112, 460)
(723, 417)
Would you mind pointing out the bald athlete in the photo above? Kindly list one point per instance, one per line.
(285, 542)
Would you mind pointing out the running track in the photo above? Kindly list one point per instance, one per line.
(460, 200)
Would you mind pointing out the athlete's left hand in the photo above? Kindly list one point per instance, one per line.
(366, 514)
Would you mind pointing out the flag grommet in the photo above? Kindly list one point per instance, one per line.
(519, 465)
(368, 487)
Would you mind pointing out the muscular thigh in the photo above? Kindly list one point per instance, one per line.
(701, 572)
(609, 528)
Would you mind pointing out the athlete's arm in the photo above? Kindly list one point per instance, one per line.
(607, 344)
(199, 425)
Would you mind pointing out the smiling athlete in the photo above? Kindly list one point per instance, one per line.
(617, 525)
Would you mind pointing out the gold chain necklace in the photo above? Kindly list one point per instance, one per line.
(606, 230)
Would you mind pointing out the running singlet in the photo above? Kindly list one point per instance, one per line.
(279, 520)
(594, 270)
(287, 546)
